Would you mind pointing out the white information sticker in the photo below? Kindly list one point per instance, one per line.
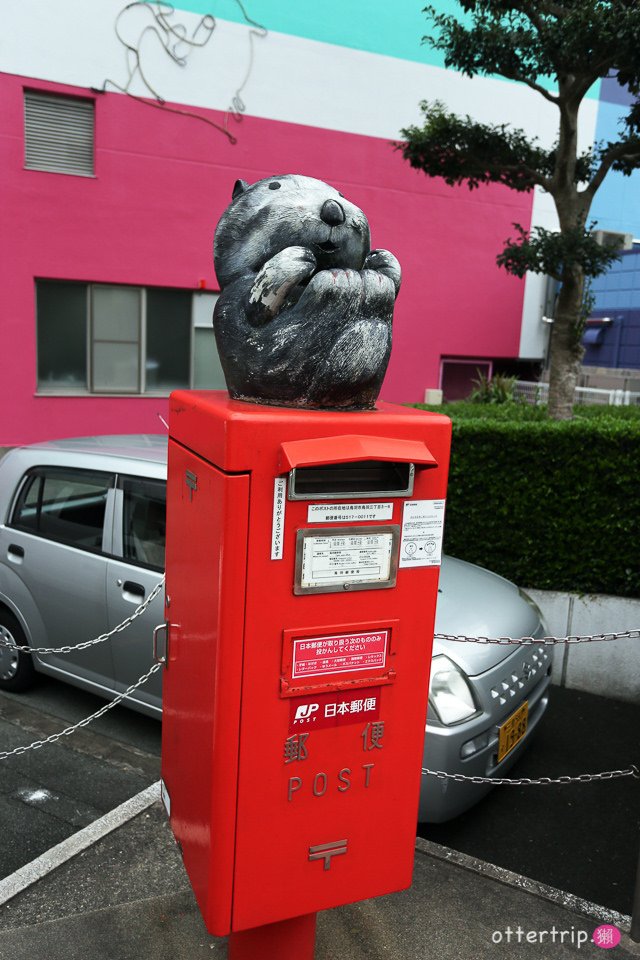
(277, 527)
(422, 529)
(333, 561)
(348, 512)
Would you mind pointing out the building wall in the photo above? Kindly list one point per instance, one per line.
(322, 92)
(617, 296)
(616, 205)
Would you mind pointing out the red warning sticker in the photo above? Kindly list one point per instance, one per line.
(341, 653)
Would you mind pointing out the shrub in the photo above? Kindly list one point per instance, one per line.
(497, 389)
(548, 504)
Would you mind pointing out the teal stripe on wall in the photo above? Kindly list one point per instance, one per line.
(394, 29)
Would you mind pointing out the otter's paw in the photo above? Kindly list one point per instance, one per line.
(332, 286)
(276, 279)
(384, 262)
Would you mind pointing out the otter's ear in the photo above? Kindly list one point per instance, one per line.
(239, 187)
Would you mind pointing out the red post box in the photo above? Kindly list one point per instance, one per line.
(303, 553)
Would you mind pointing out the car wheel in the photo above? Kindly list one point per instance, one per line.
(16, 669)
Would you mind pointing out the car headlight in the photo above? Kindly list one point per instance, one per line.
(450, 695)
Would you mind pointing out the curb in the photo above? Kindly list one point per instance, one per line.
(570, 901)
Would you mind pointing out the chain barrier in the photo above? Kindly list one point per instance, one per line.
(540, 641)
(633, 771)
(540, 781)
(89, 643)
(82, 723)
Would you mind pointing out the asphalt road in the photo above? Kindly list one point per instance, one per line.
(581, 838)
(49, 793)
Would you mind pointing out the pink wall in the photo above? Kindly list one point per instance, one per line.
(148, 216)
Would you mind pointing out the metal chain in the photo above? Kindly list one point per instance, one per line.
(541, 781)
(540, 642)
(82, 723)
(90, 643)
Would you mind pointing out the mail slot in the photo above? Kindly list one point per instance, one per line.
(303, 552)
(370, 478)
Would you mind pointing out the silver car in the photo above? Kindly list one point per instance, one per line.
(485, 701)
(82, 530)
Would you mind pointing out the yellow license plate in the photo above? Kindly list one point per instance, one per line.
(512, 731)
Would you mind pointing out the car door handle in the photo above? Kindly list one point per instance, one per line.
(15, 553)
(134, 590)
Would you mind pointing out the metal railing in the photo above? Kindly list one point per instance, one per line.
(532, 392)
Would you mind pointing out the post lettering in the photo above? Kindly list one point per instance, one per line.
(320, 778)
(367, 767)
(294, 784)
(343, 778)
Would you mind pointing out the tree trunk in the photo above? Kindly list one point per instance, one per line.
(566, 348)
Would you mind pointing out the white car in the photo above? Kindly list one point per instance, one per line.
(82, 530)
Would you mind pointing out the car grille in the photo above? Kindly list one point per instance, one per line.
(532, 668)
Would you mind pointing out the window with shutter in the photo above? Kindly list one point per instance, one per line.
(113, 339)
(58, 133)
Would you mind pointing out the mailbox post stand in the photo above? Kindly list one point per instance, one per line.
(286, 940)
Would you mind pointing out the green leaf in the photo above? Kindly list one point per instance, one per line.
(545, 251)
(461, 150)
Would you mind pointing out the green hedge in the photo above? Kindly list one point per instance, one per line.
(546, 504)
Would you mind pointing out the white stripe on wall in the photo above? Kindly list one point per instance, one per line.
(292, 80)
(534, 333)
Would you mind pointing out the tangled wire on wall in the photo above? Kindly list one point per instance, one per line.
(178, 44)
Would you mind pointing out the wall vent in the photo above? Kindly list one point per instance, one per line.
(58, 133)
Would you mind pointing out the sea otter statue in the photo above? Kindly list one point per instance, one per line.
(305, 310)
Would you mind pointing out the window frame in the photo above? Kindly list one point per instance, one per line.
(141, 341)
(88, 390)
(117, 533)
(42, 471)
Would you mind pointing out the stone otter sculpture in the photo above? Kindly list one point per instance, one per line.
(304, 316)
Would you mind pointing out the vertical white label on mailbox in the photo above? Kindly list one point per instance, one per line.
(277, 528)
(422, 529)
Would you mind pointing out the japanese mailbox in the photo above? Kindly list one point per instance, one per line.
(303, 551)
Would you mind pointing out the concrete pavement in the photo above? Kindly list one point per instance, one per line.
(126, 896)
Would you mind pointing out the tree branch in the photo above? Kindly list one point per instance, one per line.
(617, 151)
(534, 15)
(533, 175)
(539, 89)
(532, 11)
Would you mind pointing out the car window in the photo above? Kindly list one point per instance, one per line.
(64, 505)
(143, 521)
